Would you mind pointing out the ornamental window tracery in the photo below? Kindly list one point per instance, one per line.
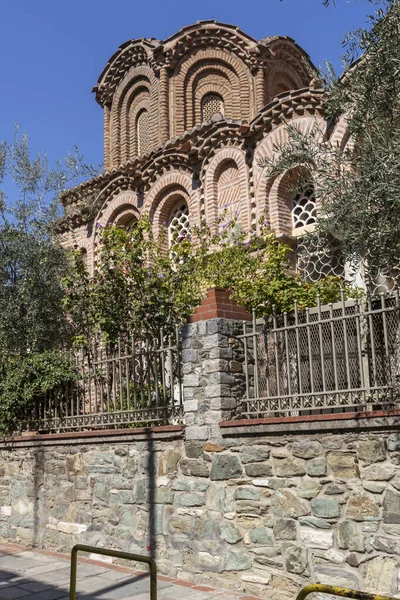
(316, 263)
(304, 209)
(178, 227)
(143, 132)
(383, 281)
(315, 260)
(211, 104)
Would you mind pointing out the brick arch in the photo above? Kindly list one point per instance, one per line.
(222, 161)
(165, 204)
(282, 82)
(140, 103)
(213, 85)
(266, 192)
(209, 34)
(214, 75)
(280, 198)
(282, 77)
(114, 209)
(228, 63)
(165, 192)
(138, 81)
(340, 135)
(86, 244)
(289, 58)
(119, 204)
(135, 96)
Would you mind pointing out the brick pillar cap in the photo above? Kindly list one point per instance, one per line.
(218, 305)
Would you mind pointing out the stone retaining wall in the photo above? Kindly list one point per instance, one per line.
(262, 513)
(263, 506)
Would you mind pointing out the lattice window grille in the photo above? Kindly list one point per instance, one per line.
(304, 210)
(384, 281)
(211, 104)
(316, 264)
(143, 133)
(179, 223)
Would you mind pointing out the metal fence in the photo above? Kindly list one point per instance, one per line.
(131, 383)
(334, 358)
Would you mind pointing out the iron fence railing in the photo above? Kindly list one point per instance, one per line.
(334, 358)
(130, 383)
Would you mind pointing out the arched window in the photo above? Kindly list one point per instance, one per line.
(84, 256)
(315, 260)
(125, 216)
(143, 132)
(211, 104)
(304, 209)
(178, 226)
(127, 221)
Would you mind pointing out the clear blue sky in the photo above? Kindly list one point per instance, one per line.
(52, 52)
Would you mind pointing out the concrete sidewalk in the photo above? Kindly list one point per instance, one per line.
(41, 575)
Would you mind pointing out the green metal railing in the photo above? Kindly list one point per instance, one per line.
(116, 554)
(339, 591)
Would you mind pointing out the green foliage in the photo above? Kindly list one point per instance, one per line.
(152, 288)
(32, 265)
(358, 186)
(258, 271)
(149, 290)
(25, 383)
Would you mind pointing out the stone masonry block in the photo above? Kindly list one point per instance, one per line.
(221, 378)
(224, 403)
(189, 356)
(190, 405)
(215, 366)
(191, 380)
(215, 341)
(189, 329)
(200, 432)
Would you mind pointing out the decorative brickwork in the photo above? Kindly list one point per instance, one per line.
(123, 203)
(274, 198)
(189, 119)
(226, 186)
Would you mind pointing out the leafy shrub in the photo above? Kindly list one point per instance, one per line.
(139, 287)
(24, 385)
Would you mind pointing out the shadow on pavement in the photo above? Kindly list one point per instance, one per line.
(23, 577)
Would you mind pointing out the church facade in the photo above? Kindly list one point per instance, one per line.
(187, 121)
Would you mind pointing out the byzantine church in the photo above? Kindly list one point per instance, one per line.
(187, 121)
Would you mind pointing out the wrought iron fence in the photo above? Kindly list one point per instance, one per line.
(334, 358)
(130, 383)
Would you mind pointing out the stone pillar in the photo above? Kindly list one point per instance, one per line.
(213, 377)
(107, 138)
(164, 104)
